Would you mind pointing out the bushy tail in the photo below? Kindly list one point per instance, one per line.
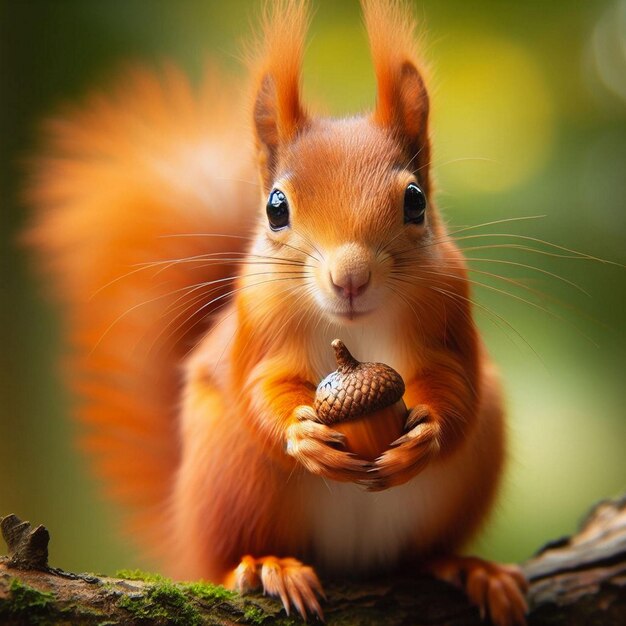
(142, 196)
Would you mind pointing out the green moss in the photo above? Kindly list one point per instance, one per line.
(208, 591)
(254, 615)
(163, 601)
(26, 597)
(28, 603)
(137, 574)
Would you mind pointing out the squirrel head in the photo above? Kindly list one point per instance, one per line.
(347, 201)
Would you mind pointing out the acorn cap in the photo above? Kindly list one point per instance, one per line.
(355, 388)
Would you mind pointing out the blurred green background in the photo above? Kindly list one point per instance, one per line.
(529, 112)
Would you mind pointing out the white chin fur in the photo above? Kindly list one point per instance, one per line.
(338, 312)
(369, 338)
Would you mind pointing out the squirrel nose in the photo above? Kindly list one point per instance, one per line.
(349, 268)
(351, 283)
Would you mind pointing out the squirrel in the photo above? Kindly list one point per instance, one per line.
(207, 253)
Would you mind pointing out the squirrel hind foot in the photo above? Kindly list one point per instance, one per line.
(290, 580)
(498, 590)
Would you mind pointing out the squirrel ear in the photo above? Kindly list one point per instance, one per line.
(278, 113)
(402, 106)
(277, 119)
(402, 100)
(265, 124)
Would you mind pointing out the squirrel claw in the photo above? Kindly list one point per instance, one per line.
(315, 446)
(293, 582)
(407, 456)
(497, 590)
(418, 414)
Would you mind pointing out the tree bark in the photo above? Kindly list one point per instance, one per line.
(574, 581)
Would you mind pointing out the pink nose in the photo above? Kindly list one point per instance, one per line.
(350, 284)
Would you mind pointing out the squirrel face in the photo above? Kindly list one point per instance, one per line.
(347, 203)
(350, 234)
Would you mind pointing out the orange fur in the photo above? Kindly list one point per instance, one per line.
(275, 66)
(119, 179)
(236, 472)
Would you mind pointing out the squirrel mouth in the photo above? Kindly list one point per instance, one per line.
(345, 309)
(351, 314)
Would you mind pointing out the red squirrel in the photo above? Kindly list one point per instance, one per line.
(204, 277)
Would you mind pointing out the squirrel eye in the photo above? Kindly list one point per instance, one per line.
(414, 205)
(277, 210)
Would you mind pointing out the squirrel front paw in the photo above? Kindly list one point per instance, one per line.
(408, 455)
(319, 449)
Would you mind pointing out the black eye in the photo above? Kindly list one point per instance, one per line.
(277, 210)
(414, 205)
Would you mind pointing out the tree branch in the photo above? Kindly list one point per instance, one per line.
(574, 581)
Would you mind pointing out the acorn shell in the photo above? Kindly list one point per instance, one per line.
(363, 401)
(370, 435)
(355, 388)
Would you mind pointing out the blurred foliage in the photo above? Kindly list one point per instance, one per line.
(529, 112)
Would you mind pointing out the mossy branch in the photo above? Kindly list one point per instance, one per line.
(575, 581)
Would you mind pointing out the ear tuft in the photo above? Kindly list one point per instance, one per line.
(265, 123)
(412, 101)
(402, 100)
(278, 111)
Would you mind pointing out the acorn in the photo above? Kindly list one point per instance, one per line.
(364, 402)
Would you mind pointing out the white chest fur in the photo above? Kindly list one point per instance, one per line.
(354, 530)
(371, 342)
